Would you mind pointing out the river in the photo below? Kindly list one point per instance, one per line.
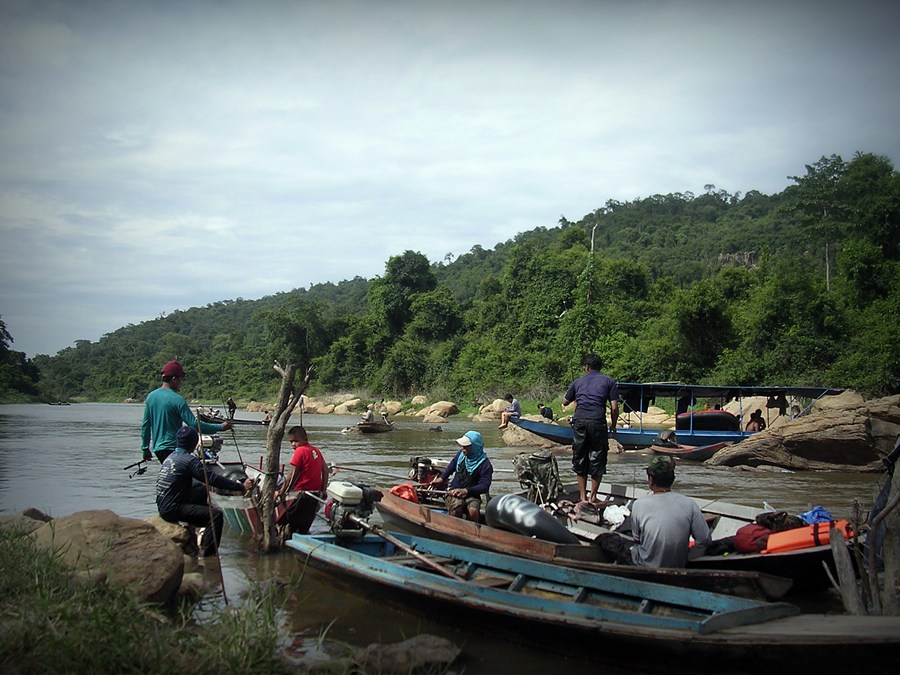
(64, 459)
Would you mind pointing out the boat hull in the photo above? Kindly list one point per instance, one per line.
(804, 566)
(404, 516)
(575, 610)
(634, 436)
(374, 427)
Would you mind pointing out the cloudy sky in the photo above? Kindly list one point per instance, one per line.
(161, 155)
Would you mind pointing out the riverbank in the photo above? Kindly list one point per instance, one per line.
(52, 623)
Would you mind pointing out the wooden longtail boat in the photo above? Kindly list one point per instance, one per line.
(573, 610)
(406, 516)
(242, 513)
(806, 567)
(216, 419)
(374, 427)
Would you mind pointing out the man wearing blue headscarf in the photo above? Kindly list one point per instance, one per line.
(472, 475)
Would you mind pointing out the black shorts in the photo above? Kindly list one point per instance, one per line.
(590, 447)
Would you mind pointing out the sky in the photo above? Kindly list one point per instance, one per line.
(161, 155)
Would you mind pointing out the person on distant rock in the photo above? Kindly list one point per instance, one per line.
(472, 475)
(756, 421)
(309, 473)
(181, 494)
(232, 406)
(545, 411)
(513, 412)
(590, 443)
(165, 411)
(662, 524)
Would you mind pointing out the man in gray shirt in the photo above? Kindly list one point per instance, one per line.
(663, 522)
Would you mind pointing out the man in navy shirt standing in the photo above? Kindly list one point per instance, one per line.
(590, 443)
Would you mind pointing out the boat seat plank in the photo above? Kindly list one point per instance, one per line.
(490, 582)
(413, 561)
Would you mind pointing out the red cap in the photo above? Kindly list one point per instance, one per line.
(173, 369)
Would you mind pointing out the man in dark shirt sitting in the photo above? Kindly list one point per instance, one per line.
(181, 493)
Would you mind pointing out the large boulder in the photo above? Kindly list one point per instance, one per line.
(131, 552)
(849, 439)
(442, 409)
(392, 407)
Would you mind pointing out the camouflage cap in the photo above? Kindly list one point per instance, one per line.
(660, 466)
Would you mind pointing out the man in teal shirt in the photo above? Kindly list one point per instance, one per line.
(165, 410)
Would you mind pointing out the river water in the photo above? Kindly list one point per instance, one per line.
(64, 459)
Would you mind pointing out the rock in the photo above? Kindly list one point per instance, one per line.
(442, 409)
(133, 554)
(347, 407)
(425, 652)
(851, 439)
(433, 418)
(393, 407)
(842, 401)
(193, 585)
(516, 436)
(326, 409)
(418, 400)
(25, 522)
(177, 533)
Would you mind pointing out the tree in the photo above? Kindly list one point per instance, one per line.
(820, 200)
(289, 396)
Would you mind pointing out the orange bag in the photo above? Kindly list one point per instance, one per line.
(405, 491)
(816, 534)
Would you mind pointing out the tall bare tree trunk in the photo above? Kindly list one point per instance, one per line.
(288, 398)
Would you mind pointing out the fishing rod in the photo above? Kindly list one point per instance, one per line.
(141, 470)
(335, 468)
(209, 508)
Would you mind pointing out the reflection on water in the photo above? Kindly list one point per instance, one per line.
(63, 459)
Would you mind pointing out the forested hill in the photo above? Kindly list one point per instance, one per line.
(715, 288)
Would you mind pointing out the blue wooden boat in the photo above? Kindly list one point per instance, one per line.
(434, 523)
(562, 608)
(694, 427)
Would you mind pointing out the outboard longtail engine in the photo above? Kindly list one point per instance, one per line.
(212, 445)
(349, 503)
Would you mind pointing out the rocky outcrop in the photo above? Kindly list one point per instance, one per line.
(25, 522)
(491, 411)
(126, 552)
(440, 411)
(853, 438)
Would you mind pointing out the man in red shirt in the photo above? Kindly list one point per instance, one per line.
(308, 473)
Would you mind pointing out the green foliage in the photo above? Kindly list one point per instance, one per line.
(18, 375)
(51, 624)
(714, 289)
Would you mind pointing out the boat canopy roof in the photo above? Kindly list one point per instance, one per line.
(648, 390)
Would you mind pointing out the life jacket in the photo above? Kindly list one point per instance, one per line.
(817, 534)
(405, 491)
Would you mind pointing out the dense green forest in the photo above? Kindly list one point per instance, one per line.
(798, 288)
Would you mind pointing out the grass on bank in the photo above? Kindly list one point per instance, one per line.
(49, 624)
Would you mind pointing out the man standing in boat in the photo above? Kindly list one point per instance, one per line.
(165, 410)
(590, 442)
(308, 473)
